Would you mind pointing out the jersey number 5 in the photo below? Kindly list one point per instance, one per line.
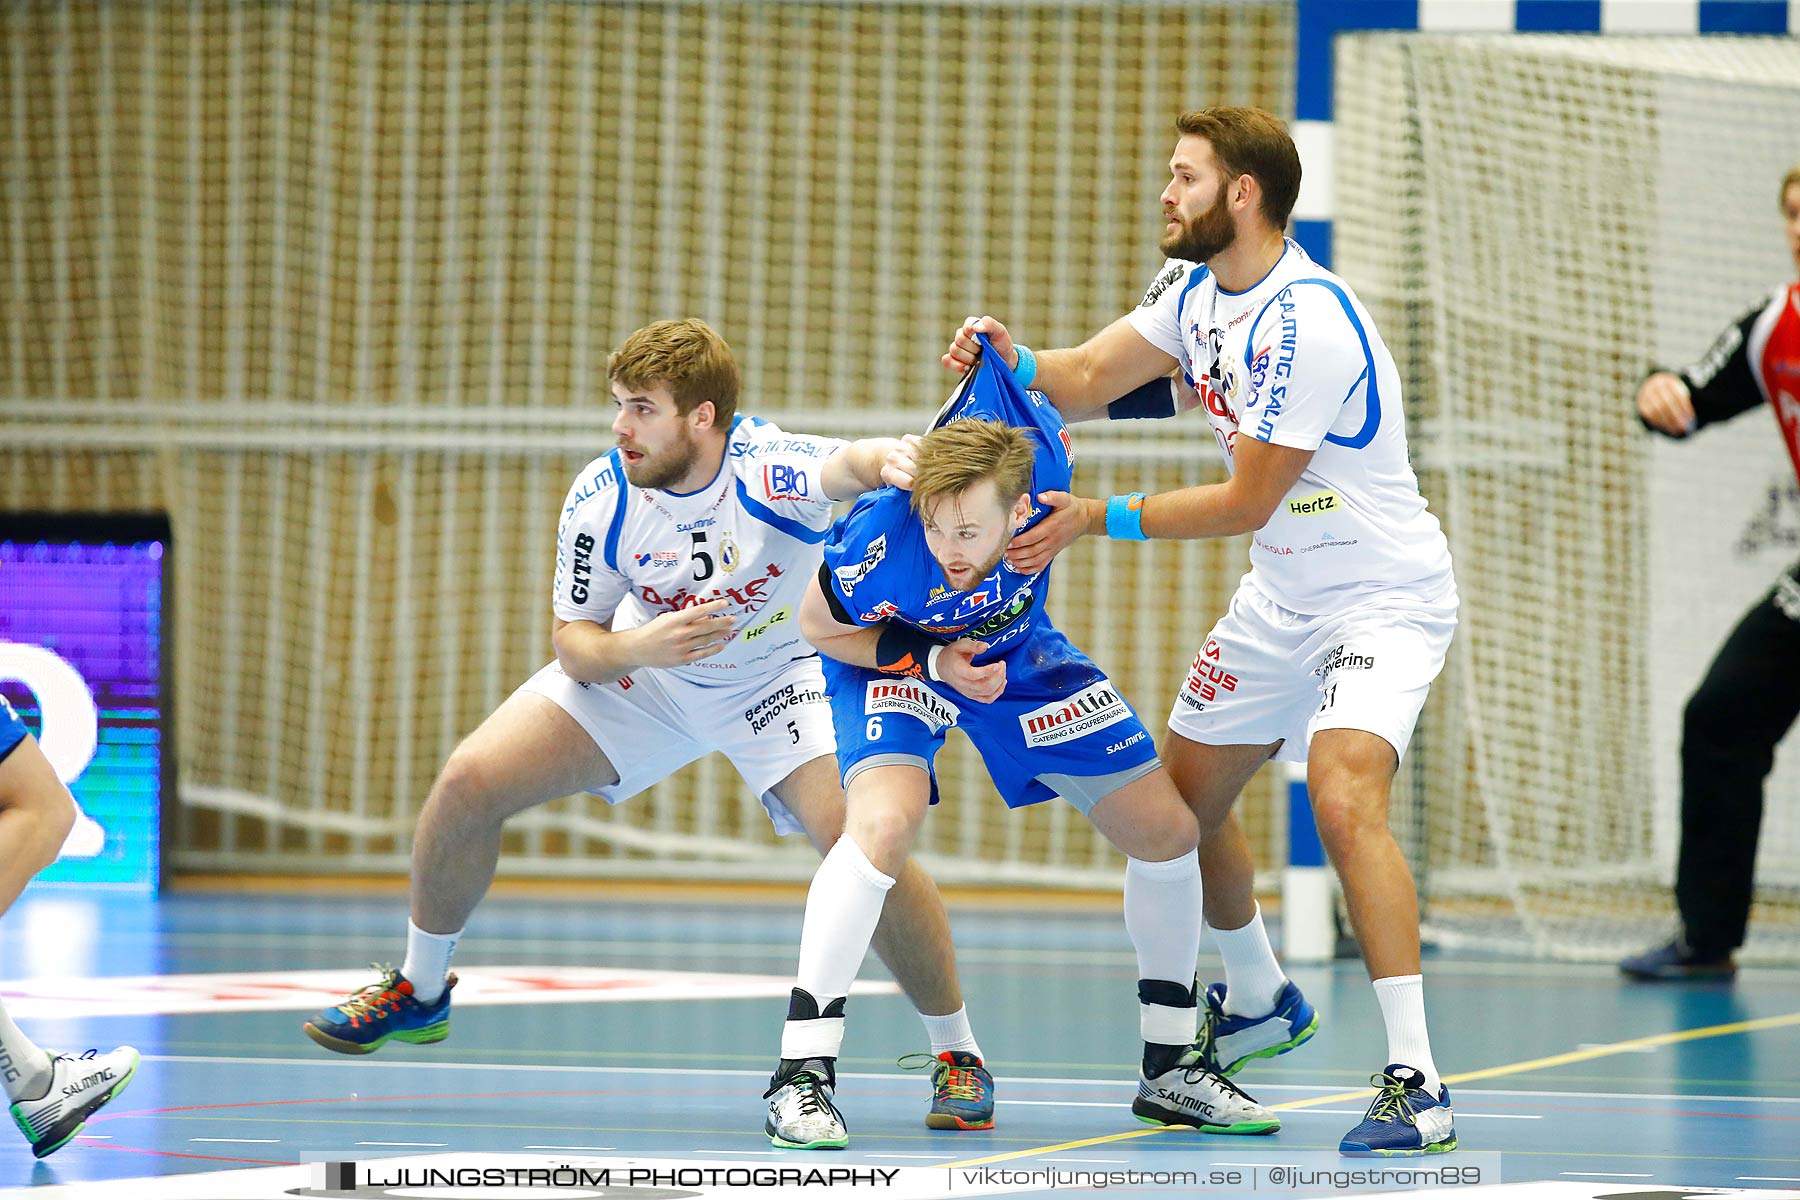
(703, 563)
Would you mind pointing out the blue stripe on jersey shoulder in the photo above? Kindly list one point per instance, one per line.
(618, 517)
(770, 517)
(1372, 421)
(1194, 280)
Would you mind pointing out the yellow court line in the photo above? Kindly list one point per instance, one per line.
(1531, 1064)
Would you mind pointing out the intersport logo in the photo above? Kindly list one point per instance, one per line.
(1093, 707)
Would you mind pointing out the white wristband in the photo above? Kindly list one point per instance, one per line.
(931, 671)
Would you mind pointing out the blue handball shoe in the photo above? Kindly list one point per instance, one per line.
(1229, 1042)
(1404, 1118)
(385, 1009)
(962, 1090)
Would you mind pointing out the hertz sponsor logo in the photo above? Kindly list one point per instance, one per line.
(910, 697)
(781, 614)
(1315, 504)
(1093, 707)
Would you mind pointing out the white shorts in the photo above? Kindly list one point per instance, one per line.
(651, 724)
(1266, 674)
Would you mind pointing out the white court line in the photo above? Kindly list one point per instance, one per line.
(733, 1152)
(1769, 1178)
(1612, 1174)
(438, 1145)
(365, 1064)
(96, 1137)
(245, 1141)
(1460, 1114)
(1090, 1160)
(571, 1147)
(934, 1157)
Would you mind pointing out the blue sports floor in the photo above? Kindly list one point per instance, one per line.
(1567, 1073)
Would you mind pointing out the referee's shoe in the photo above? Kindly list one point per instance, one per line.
(1676, 960)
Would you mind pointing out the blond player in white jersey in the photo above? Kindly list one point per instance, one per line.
(1344, 619)
(682, 557)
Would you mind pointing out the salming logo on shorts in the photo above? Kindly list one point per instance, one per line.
(1093, 707)
(912, 698)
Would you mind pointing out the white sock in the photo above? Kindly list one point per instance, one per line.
(1253, 979)
(25, 1068)
(427, 965)
(1162, 915)
(843, 906)
(1402, 999)
(951, 1033)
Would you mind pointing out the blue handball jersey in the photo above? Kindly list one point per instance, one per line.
(878, 568)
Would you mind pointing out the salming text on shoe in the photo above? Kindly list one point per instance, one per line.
(1229, 1041)
(1675, 961)
(801, 1114)
(385, 1009)
(1403, 1119)
(962, 1090)
(1192, 1094)
(79, 1084)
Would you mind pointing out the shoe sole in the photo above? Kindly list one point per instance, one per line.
(948, 1121)
(1443, 1147)
(80, 1116)
(776, 1139)
(1149, 1114)
(1299, 1039)
(423, 1036)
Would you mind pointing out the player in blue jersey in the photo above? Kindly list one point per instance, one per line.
(1336, 633)
(52, 1095)
(923, 626)
(682, 556)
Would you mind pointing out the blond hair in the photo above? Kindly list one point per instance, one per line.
(692, 361)
(1788, 181)
(955, 458)
(1249, 141)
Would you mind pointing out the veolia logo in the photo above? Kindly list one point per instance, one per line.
(71, 728)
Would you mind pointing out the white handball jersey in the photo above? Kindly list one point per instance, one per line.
(1296, 361)
(752, 536)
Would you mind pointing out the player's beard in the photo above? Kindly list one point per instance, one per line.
(1206, 236)
(668, 468)
(981, 571)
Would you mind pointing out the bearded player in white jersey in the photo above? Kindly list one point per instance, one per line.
(1344, 619)
(682, 558)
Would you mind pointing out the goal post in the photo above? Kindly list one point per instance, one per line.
(1533, 220)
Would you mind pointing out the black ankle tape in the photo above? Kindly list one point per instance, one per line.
(1166, 993)
(1159, 1058)
(802, 1007)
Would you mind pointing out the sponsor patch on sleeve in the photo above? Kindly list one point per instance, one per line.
(784, 481)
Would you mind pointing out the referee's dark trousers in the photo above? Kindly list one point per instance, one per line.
(1746, 703)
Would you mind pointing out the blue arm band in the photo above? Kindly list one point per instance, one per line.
(1026, 371)
(1154, 400)
(1125, 518)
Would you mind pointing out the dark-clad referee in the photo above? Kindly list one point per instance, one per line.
(1751, 693)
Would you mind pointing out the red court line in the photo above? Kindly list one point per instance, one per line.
(151, 1112)
(261, 1162)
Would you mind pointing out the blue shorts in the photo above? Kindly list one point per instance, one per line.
(1059, 729)
(12, 730)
